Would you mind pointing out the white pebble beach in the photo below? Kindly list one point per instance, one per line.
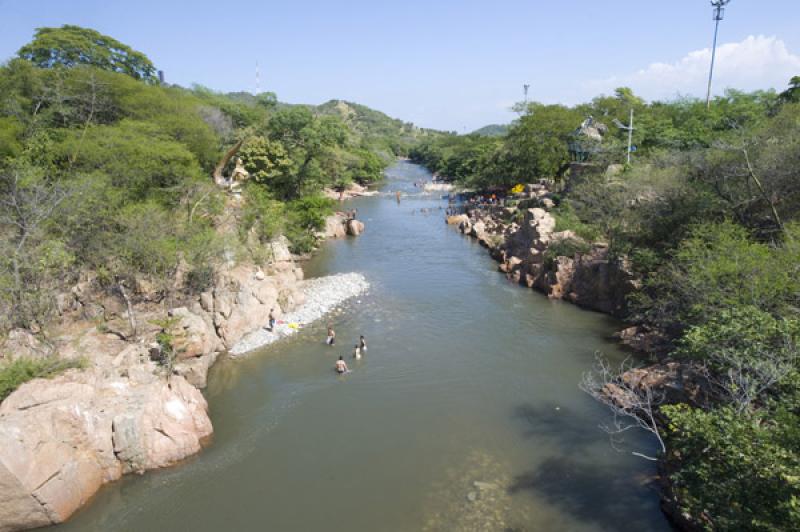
(323, 295)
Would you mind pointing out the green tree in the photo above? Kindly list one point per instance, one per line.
(537, 144)
(734, 471)
(267, 161)
(73, 45)
(792, 94)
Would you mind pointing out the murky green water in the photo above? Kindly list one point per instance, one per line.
(468, 379)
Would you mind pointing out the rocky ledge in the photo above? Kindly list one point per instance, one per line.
(558, 263)
(127, 411)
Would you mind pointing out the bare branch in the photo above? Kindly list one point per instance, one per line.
(632, 401)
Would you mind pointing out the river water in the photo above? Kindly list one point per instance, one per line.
(465, 413)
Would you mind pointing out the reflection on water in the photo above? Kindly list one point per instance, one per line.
(464, 414)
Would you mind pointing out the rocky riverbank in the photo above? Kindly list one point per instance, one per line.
(524, 239)
(560, 264)
(135, 406)
(531, 251)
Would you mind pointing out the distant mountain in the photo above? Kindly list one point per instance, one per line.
(492, 130)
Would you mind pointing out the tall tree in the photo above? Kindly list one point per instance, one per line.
(73, 45)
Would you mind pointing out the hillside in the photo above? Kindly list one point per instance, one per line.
(492, 130)
(372, 127)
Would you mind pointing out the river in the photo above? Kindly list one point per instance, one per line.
(465, 413)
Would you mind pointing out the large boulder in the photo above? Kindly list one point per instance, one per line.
(335, 226)
(279, 250)
(61, 439)
(602, 283)
(556, 281)
(457, 219)
(355, 227)
(242, 302)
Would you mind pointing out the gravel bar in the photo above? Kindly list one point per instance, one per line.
(323, 294)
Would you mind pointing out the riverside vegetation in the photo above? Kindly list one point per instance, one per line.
(105, 170)
(126, 268)
(704, 224)
(104, 176)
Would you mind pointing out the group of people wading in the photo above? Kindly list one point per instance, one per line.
(359, 349)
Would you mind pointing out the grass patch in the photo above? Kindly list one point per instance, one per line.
(15, 374)
(567, 220)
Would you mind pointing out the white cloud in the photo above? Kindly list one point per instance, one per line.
(754, 63)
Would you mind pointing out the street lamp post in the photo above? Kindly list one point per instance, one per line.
(719, 14)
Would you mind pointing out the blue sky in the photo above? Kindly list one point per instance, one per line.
(453, 65)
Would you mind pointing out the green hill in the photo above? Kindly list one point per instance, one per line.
(492, 130)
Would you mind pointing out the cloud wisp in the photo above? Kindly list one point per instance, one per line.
(757, 62)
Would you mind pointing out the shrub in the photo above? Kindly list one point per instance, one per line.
(717, 268)
(15, 374)
(200, 279)
(734, 471)
(567, 220)
(747, 352)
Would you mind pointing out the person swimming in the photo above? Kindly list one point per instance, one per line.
(356, 352)
(362, 344)
(331, 339)
(341, 366)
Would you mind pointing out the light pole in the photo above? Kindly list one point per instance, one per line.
(719, 14)
(629, 129)
(525, 88)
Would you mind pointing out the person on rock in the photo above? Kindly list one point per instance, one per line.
(341, 366)
(331, 339)
(272, 319)
(356, 352)
(362, 344)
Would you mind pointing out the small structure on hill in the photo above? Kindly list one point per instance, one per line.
(586, 139)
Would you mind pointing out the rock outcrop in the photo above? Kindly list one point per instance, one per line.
(62, 438)
(529, 254)
(340, 225)
(355, 227)
(335, 226)
(353, 190)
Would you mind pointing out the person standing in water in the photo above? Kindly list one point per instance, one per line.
(362, 344)
(331, 339)
(356, 352)
(341, 366)
(397, 194)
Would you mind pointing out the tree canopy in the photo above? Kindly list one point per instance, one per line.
(73, 45)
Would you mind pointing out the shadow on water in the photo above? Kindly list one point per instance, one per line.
(595, 492)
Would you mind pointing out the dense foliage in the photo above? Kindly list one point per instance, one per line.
(107, 174)
(709, 215)
(72, 45)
